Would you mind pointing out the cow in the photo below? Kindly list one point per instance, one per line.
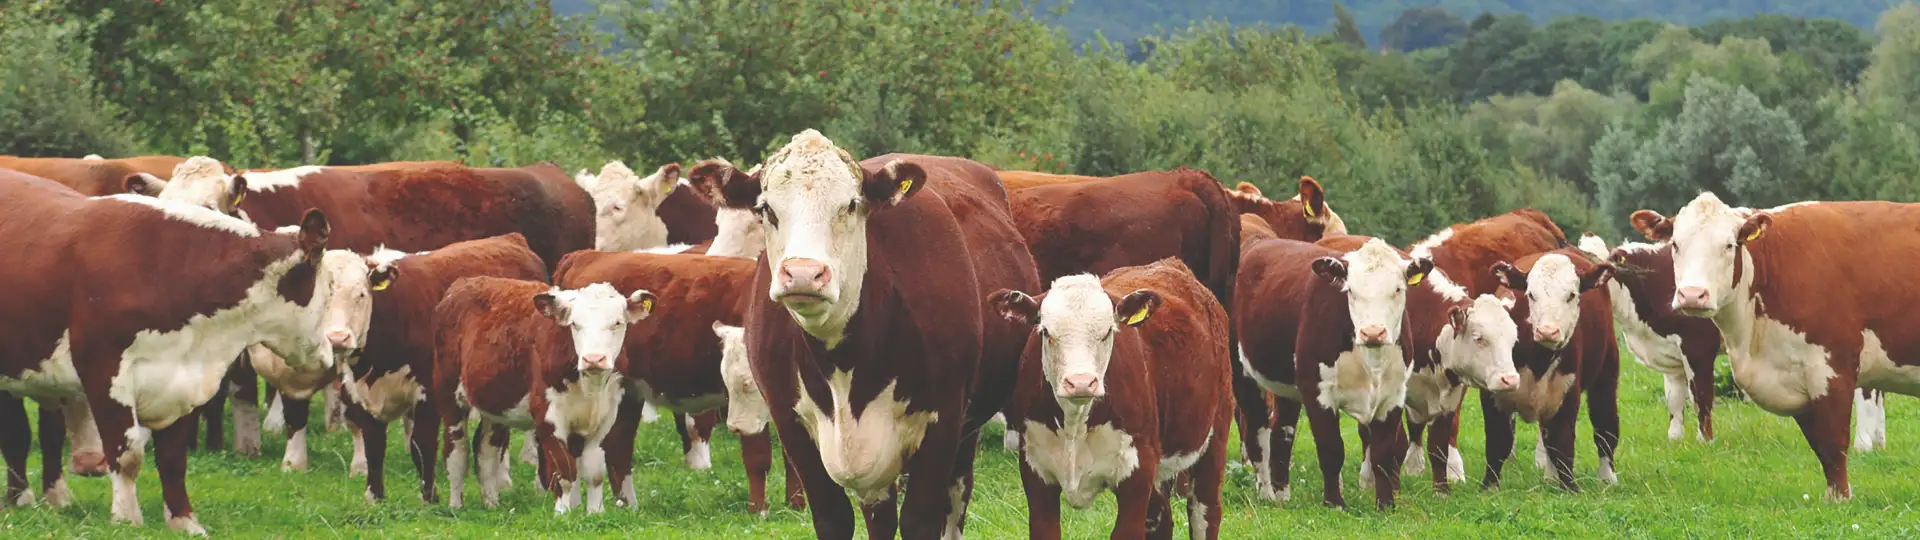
(1804, 323)
(748, 417)
(100, 177)
(1323, 329)
(530, 356)
(868, 332)
(624, 218)
(1682, 349)
(1563, 308)
(1464, 252)
(1305, 217)
(1019, 180)
(1123, 388)
(141, 305)
(675, 362)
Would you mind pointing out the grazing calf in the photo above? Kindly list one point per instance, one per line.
(390, 377)
(1680, 348)
(1323, 329)
(1804, 319)
(867, 332)
(624, 205)
(141, 305)
(1562, 308)
(529, 356)
(1124, 387)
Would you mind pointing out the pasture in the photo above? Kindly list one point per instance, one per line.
(1758, 479)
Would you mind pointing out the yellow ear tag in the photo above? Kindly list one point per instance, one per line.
(1137, 316)
(647, 305)
(382, 285)
(1756, 234)
(904, 186)
(237, 196)
(1415, 280)
(1309, 211)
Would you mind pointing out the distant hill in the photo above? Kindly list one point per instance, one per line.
(1125, 20)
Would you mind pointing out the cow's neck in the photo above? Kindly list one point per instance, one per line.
(1736, 319)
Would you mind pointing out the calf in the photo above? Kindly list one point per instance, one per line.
(1323, 328)
(1804, 319)
(529, 356)
(867, 332)
(1563, 309)
(145, 347)
(1135, 368)
(1680, 348)
(624, 203)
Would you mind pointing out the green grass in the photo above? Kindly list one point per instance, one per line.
(1759, 479)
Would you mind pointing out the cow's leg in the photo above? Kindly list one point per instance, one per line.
(1677, 392)
(1278, 463)
(1160, 512)
(1043, 504)
(358, 467)
(486, 464)
(699, 449)
(1387, 447)
(276, 421)
(960, 493)
(796, 496)
(1439, 439)
(296, 411)
(16, 441)
(125, 442)
(648, 414)
(832, 512)
(1415, 460)
(1256, 430)
(215, 403)
(563, 465)
(1540, 459)
(882, 515)
(1603, 407)
(756, 454)
(619, 445)
(336, 407)
(593, 472)
(246, 406)
(1499, 426)
(373, 435)
(1325, 424)
(1557, 435)
(1702, 388)
(1134, 496)
(1203, 499)
(499, 439)
(1456, 465)
(1825, 422)
(530, 451)
(425, 446)
(1010, 436)
(89, 459)
(1870, 411)
(53, 437)
(170, 459)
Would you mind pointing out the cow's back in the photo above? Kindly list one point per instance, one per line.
(39, 280)
(425, 208)
(88, 177)
(1019, 180)
(694, 291)
(401, 329)
(1816, 271)
(1272, 296)
(1186, 339)
(1467, 251)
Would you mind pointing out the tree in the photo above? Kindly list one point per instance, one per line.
(1422, 27)
(48, 105)
(1482, 64)
(1892, 81)
(1345, 30)
(1724, 141)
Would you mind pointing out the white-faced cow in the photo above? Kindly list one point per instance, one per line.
(1124, 387)
(532, 357)
(1565, 315)
(1804, 318)
(343, 327)
(748, 418)
(869, 333)
(141, 305)
(1680, 348)
(624, 203)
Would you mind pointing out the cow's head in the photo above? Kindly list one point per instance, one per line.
(812, 200)
(291, 322)
(1709, 242)
(598, 316)
(624, 203)
(747, 412)
(351, 281)
(1077, 322)
(201, 181)
(1375, 279)
(1552, 289)
(1477, 344)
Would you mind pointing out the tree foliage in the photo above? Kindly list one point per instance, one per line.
(1422, 27)
(48, 101)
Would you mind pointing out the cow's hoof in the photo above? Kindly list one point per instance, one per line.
(89, 464)
(186, 524)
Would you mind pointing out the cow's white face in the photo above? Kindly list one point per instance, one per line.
(202, 181)
(1708, 239)
(1375, 279)
(747, 411)
(1479, 344)
(292, 330)
(1077, 322)
(740, 234)
(1553, 288)
(624, 204)
(812, 200)
(349, 285)
(598, 316)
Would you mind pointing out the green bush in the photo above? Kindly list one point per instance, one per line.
(48, 105)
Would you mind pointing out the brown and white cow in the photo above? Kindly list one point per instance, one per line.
(1803, 320)
(142, 304)
(624, 203)
(676, 362)
(1680, 348)
(532, 357)
(1305, 217)
(748, 417)
(1464, 252)
(1565, 315)
(1323, 328)
(1124, 387)
(873, 344)
(100, 177)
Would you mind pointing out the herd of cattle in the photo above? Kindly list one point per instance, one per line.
(878, 313)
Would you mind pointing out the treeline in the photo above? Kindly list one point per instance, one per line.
(1584, 118)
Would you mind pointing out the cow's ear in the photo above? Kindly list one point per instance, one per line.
(724, 185)
(892, 183)
(144, 184)
(1330, 268)
(1509, 276)
(1596, 277)
(549, 304)
(382, 276)
(1755, 227)
(314, 231)
(640, 305)
(1136, 307)
(1457, 316)
(668, 175)
(1246, 188)
(1314, 197)
(1656, 227)
(236, 192)
(1417, 270)
(1016, 306)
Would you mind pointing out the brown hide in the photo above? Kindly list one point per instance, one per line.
(1254, 229)
(1474, 247)
(1591, 357)
(94, 177)
(688, 215)
(1019, 180)
(1289, 218)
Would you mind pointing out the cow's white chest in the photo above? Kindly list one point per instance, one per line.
(1659, 353)
(54, 378)
(585, 406)
(1538, 396)
(1083, 460)
(1178, 462)
(519, 417)
(1277, 388)
(294, 382)
(1365, 383)
(1878, 372)
(1430, 394)
(389, 397)
(863, 454)
(1779, 369)
(165, 375)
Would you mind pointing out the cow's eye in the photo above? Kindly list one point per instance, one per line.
(766, 214)
(853, 206)
(1571, 296)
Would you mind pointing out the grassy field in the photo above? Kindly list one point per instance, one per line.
(1759, 479)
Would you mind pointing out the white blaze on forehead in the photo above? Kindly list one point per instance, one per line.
(93, 157)
(1483, 351)
(1553, 294)
(597, 316)
(1376, 287)
(350, 297)
(747, 411)
(807, 186)
(197, 215)
(1702, 235)
(1078, 318)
